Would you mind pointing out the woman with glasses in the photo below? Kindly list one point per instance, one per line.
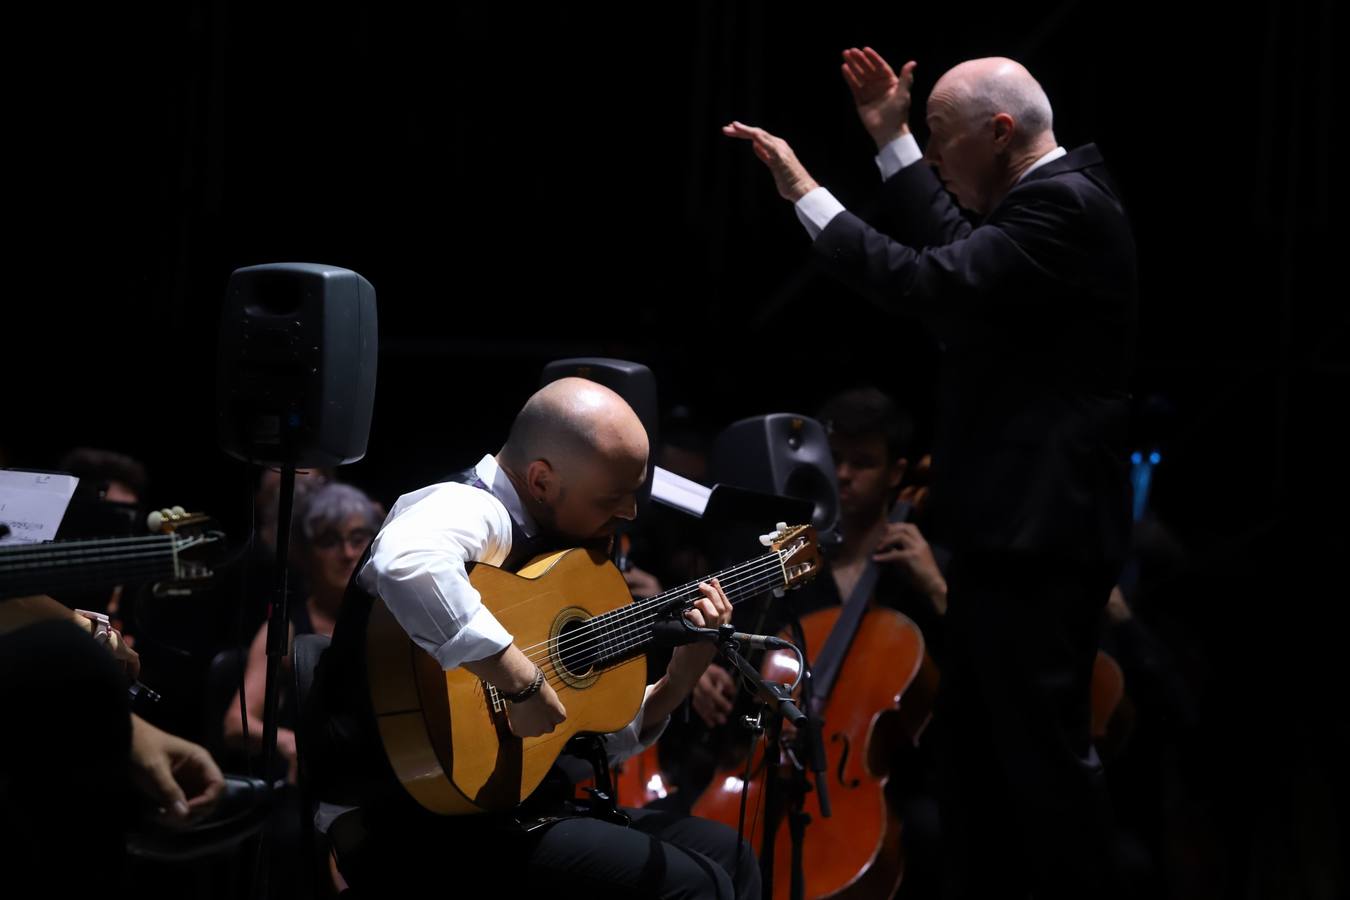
(334, 529)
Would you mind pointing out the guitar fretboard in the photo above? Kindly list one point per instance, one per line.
(39, 568)
(621, 634)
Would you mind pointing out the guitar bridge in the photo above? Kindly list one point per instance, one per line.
(495, 700)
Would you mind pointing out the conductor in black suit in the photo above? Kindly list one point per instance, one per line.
(1018, 258)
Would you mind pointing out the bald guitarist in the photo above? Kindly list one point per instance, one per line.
(567, 476)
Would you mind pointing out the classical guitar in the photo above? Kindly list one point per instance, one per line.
(446, 733)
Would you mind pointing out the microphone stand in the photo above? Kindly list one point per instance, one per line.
(809, 740)
(278, 632)
(777, 699)
(278, 619)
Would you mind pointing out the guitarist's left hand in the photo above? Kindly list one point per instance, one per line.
(711, 610)
(688, 661)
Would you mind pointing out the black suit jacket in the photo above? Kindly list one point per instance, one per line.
(1035, 311)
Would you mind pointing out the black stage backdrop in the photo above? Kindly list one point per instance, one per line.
(523, 183)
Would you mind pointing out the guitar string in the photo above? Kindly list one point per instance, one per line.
(675, 596)
(638, 636)
(687, 590)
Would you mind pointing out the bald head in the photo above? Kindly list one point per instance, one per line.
(573, 418)
(980, 89)
(988, 122)
(577, 454)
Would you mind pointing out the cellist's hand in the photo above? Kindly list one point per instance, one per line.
(904, 546)
(915, 492)
(713, 696)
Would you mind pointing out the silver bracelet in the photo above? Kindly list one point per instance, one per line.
(529, 691)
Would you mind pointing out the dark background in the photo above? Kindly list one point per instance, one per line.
(522, 184)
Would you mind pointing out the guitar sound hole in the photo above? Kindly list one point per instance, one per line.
(578, 648)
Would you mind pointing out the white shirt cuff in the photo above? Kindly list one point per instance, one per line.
(899, 153)
(630, 740)
(816, 209)
(481, 637)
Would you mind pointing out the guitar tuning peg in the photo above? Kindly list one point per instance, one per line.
(154, 521)
(179, 512)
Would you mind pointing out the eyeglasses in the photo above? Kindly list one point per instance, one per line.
(357, 538)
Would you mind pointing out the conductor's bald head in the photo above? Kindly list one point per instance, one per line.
(577, 454)
(989, 121)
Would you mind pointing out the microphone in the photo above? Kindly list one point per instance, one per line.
(760, 641)
(674, 632)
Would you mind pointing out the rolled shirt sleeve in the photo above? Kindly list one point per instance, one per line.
(417, 566)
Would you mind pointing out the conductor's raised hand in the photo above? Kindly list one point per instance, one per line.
(882, 98)
(789, 175)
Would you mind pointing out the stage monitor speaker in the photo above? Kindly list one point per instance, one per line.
(784, 454)
(296, 369)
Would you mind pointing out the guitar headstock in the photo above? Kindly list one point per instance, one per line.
(174, 519)
(196, 546)
(798, 550)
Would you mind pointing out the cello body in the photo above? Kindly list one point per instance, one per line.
(883, 695)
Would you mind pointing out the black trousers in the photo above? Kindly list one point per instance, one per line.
(1023, 803)
(660, 855)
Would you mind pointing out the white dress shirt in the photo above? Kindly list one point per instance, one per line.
(819, 206)
(417, 566)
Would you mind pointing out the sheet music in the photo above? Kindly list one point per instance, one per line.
(32, 504)
(679, 492)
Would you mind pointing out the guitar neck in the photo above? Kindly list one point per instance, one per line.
(40, 568)
(627, 631)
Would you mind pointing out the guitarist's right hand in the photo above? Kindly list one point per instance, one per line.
(538, 715)
(512, 672)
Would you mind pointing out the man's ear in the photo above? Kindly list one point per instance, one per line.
(540, 480)
(1004, 127)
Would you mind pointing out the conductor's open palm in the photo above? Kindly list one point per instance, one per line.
(881, 96)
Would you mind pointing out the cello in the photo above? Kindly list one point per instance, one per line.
(873, 686)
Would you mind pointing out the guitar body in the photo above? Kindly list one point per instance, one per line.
(446, 734)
